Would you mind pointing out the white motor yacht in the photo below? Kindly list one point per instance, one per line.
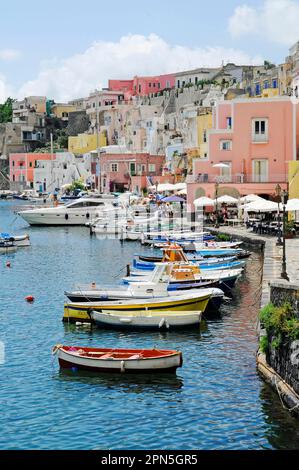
(75, 213)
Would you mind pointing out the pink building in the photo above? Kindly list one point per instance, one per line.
(254, 139)
(129, 171)
(143, 86)
(21, 167)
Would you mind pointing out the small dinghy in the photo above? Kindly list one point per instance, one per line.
(163, 320)
(7, 246)
(19, 240)
(118, 360)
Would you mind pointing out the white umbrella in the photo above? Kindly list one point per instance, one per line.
(183, 191)
(204, 201)
(166, 187)
(221, 165)
(263, 206)
(251, 198)
(292, 205)
(180, 186)
(227, 200)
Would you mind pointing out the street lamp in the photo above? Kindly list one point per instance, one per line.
(216, 205)
(284, 274)
(278, 194)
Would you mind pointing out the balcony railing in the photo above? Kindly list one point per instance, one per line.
(237, 179)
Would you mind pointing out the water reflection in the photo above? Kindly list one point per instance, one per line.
(130, 383)
(281, 430)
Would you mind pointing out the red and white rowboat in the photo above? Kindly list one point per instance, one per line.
(118, 360)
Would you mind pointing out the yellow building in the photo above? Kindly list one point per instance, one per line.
(204, 123)
(84, 143)
(269, 92)
(61, 111)
(293, 183)
(294, 179)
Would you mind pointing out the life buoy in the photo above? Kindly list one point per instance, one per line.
(66, 217)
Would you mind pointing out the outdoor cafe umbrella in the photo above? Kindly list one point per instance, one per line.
(292, 205)
(204, 201)
(227, 200)
(166, 187)
(250, 198)
(172, 199)
(221, 165)
(263, 206)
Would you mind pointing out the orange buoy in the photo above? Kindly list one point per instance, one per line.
(29, 298)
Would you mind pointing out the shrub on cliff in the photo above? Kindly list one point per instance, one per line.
(280, 323)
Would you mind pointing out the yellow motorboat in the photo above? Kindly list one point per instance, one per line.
(191, 301)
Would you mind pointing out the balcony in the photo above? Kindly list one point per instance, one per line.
(237, 179)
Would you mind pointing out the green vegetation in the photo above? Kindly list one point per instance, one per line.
(6, 111)
(77, 185)
(264, 344)
(222, 237)
(280, 323)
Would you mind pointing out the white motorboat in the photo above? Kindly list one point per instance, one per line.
(76, 213)
(153, 320)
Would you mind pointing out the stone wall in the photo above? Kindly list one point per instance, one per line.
(284, 359)
(282, 292)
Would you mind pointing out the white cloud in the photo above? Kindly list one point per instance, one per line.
(9, 54)
(5, 89)
(275, 20)
(132, 55)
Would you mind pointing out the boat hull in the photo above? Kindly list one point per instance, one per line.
(131, 362)
(146, 320)
(76, 312)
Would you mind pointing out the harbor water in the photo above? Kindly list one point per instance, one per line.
(216, 401)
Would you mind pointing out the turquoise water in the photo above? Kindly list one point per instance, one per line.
(216, 401)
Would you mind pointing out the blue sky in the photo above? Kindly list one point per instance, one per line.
(38, 39)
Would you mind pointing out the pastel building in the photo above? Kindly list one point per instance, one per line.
(22, 167)
(84, 143)
(128, 171)
(143, 86)
(255, 139)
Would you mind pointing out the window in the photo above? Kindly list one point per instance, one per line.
(266, 84)
(149, 124)
(196, 80)
(260, 171)
(229, 122)
(225, 145)
(30, 164)
(259, 130)
(178, 84)
(144, 144)
(151, 168)
(205, 136)
(114, 167)
(274, 83)
(257, 89)
(149, 85)
(168, 84)
(133, 169)
(226, 173)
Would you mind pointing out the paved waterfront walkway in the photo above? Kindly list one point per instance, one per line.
(272, 257)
